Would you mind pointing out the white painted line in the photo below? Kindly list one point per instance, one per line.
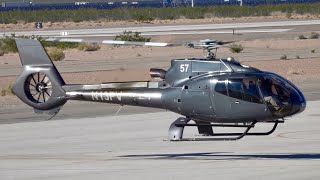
(189, 32)
(64, 40)
(156, 44)
(113, 42)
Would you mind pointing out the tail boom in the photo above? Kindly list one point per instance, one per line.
(143, 93)
(137, 97)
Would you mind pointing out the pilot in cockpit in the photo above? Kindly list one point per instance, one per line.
(270, 93)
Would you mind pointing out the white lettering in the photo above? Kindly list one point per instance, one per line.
(110, 97)
(94, 95)
(119, 97)
(184, 67)
(106, 96)
(101, 96)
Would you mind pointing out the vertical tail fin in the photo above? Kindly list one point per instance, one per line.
(40, 84)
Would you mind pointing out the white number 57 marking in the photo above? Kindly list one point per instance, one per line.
(184, 67)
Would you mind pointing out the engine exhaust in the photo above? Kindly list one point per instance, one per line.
(157, 73)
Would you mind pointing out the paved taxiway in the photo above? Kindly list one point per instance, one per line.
(169, 29)
(132, 147)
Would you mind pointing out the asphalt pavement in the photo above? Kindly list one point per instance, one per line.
(134, 147)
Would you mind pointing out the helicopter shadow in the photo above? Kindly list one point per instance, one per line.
(226, 156)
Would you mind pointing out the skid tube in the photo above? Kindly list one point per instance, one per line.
(251, 134)
(177, 127)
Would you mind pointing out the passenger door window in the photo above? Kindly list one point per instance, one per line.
(244, 89)
(221, 87)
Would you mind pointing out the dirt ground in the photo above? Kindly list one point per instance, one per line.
(106, 23)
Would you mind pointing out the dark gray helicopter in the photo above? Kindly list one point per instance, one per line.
(210, 91)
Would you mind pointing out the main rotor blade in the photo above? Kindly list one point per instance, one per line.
(225, 42)
(159, 44)
(204, 44)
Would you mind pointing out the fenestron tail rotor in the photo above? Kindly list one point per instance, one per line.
(38, 87)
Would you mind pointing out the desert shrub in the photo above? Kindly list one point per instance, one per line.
(314, 35)
(298, 57)
(142, 18)
(236, 48)
(313, 51)
(288, 15)
(8, 44)
(56, 54)
(60, 45)
(1, 51)
(8, 90)
(148, 13)
(89, 47)
(301, 36)
(2, 92)
(284, 57)
(132, 36)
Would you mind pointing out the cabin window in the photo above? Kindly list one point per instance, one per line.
(235, 89)
(244, 89)
(205, 66)
(221, 88)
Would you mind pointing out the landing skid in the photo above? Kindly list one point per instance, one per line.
(177, 127)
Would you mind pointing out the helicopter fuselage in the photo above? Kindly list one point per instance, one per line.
(222, 91)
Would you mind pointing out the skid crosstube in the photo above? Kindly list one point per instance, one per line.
(177, 127)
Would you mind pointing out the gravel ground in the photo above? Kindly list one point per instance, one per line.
(106, 23)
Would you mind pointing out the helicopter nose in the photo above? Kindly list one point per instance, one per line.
(299, 102)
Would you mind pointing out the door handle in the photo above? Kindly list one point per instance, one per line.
(237, 102)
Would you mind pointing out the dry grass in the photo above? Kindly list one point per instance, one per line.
(1, 52)
(89, 47)
(284, 57)
(7, 91)
(148, 14)
(301, 36)
(55, 54)
(236, 48)
(314, 35)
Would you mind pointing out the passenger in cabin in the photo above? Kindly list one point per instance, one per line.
(270, 94)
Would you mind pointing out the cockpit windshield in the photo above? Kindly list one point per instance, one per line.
(278, 94)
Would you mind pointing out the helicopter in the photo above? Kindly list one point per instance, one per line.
(211, 92)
